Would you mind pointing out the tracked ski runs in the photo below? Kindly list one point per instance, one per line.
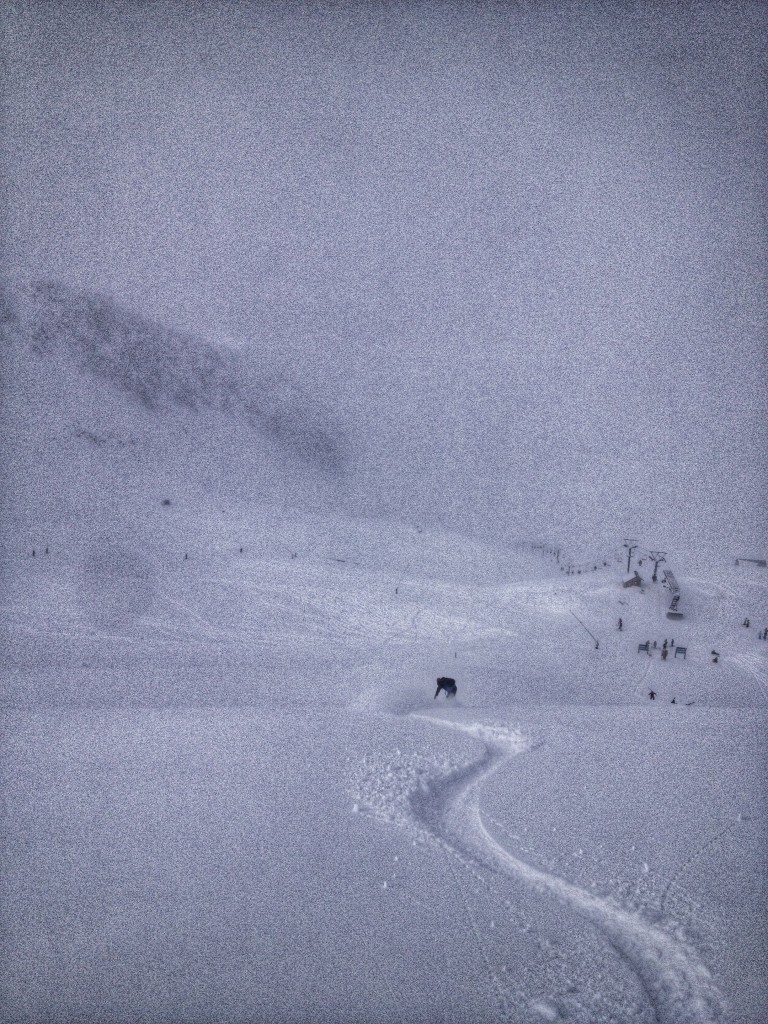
(677, 985)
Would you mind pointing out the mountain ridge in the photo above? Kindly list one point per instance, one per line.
(160, 368)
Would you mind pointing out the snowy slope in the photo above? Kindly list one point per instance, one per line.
(229, 793)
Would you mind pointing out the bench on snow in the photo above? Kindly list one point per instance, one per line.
(644, 647)
(681, 650)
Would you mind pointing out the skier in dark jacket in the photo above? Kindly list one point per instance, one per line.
(447, 684)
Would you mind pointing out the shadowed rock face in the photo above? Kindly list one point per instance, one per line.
(163, 368)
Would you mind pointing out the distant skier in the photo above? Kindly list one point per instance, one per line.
(746, 623)
(447, 684)
(652, 695)
(621, 625)
(664, 653)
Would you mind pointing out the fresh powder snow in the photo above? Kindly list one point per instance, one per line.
(345, 347)
(229, 791)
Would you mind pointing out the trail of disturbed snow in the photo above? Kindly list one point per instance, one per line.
(677, 985)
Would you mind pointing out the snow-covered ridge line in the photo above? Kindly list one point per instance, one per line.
(164, 368)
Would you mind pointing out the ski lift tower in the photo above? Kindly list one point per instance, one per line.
(630, 544)
(658, 558)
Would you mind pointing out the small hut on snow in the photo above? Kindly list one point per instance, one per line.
(632, 581)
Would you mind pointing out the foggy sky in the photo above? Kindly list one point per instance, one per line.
(519, 248)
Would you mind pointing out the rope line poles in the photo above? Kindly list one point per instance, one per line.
(597, 642)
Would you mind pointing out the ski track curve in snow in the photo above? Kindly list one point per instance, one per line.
(444, 806)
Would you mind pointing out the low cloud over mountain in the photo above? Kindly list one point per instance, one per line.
(165, 369)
